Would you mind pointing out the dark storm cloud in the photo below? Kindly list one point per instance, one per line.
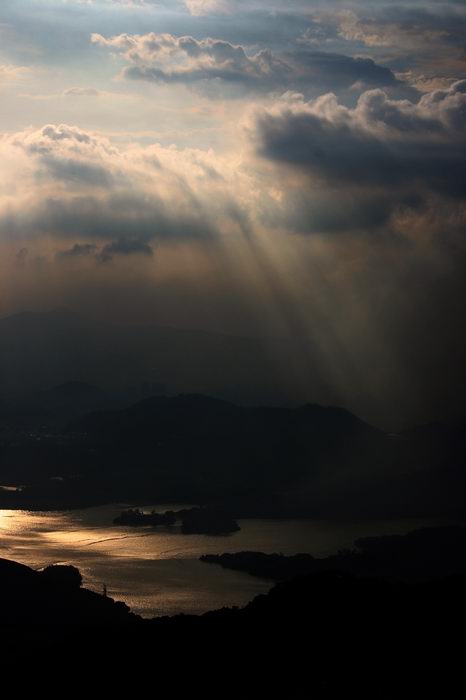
(125, 246)
(78, 250)
(383, 154)
(120, 215)
(22, 256)
(169, 59)
(337, 153)
(75, 172)
(309, 210)
(333, 71)
(104, 254)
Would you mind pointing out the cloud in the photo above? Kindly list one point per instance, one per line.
(164, 58)
(105, 253)
(78, 250)
(11, 73)
(205, 7)
(320, 69)
(125, 246)
(67, 154)
(82, 92)
(421, 44)
(382, 156)
(22, 256)
(371, 300)
(70, 183)
(388, 32)
(382, 160)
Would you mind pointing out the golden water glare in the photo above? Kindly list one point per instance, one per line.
(158, 571)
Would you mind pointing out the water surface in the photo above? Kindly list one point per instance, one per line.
(158, 572)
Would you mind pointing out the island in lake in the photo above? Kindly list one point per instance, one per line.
(194, 521)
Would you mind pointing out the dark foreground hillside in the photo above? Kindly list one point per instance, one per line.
(327, 635)
(323, 636)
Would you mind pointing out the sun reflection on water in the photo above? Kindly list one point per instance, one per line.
(158, 571)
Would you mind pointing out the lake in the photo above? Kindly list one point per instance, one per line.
(158, 572)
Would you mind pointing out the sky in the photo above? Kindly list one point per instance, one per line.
(263, 168)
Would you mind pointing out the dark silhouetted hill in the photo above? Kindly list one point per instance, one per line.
(312, 461)
(54, 597)
(423, 554)
(323, 636)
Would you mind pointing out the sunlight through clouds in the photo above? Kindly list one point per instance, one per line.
(291, 170)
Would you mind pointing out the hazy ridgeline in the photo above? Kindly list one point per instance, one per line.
(76, 444)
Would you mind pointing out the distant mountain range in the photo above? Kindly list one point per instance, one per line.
(311, 461)
(43, 350)
(74, 430)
